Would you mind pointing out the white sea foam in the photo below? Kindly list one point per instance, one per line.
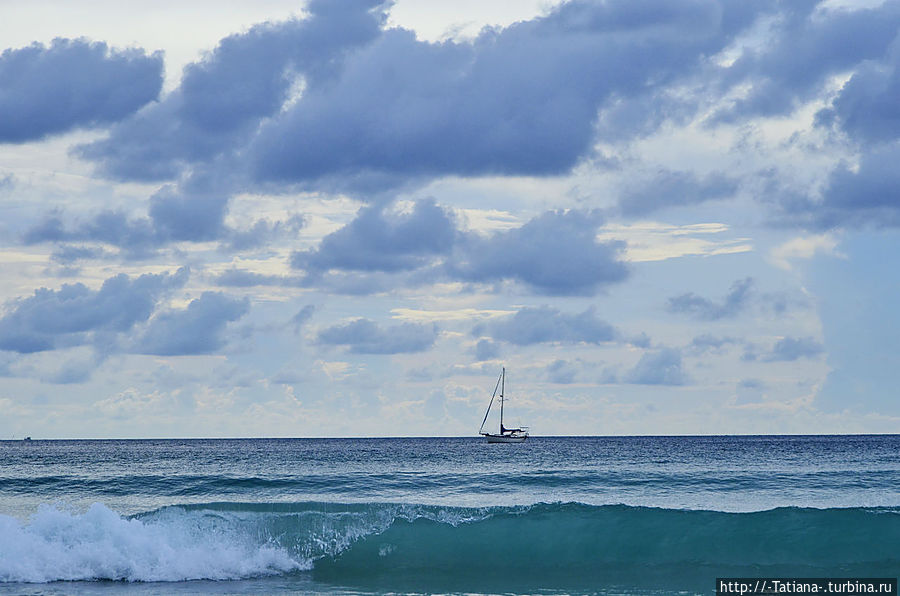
(100, 544)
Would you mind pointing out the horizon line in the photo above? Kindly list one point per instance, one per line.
(475, 437)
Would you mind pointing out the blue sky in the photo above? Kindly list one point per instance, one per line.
(341, 218)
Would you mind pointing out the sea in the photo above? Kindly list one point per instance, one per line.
(553, 515)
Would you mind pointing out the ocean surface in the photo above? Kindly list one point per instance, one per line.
(585, 515)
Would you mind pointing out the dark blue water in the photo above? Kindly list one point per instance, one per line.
(552, 515)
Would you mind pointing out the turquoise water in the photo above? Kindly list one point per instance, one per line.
(553, 515)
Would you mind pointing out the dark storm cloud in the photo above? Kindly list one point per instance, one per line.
(338, 99)
(71, 84)
(76, 315)
(705, 309)
(544, 324)
(661, 367)
(379, 241)
(363, 336)
(197, 329)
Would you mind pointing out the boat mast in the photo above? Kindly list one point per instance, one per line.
(502, 388)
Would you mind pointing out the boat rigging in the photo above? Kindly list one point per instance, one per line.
(506, 435)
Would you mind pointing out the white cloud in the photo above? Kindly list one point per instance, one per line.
(657, 241)
(805, 247)
(461, 314)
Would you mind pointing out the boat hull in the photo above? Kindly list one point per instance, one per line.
(506, 438)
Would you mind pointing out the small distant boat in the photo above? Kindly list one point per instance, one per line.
(506, 435)
(27, 439)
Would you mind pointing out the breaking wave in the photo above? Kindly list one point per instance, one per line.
(397, 547)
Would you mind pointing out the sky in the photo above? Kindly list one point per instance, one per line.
(343, 217)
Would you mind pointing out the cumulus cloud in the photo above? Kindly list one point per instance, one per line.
(76, 315)
(807, 43)
(193, 211)
(866, 107)
(705, 309)
(544, 324)
(339, 99)
(862, 42)
(71, 84)
(556, 253)
(521, 100)
(223, 98)
(660, 367)
(136, 236)
(363, 336)
(197, 329)
(380, 241)
(195, 217)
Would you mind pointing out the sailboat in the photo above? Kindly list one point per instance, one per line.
(506, 435)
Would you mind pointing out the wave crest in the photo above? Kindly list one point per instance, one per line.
(409, 547)
(100, 544)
